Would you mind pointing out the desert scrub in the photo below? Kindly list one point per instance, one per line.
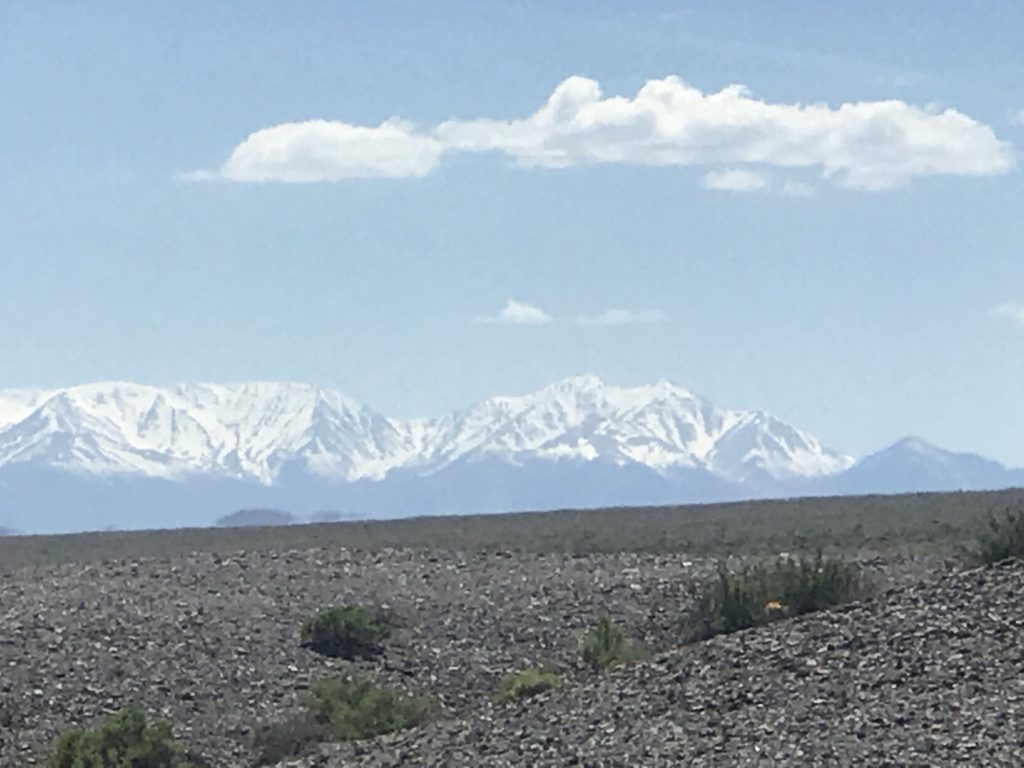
(122, 740)
(1003, 537)
(346, 709)
(767, 591)
(349, 632)
(605, 645)
(526, 683)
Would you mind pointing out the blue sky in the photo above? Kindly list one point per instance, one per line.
(858, 272)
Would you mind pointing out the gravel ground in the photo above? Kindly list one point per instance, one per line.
(930, 674)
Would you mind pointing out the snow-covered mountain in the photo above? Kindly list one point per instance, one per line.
(130, 456)
(252, 431)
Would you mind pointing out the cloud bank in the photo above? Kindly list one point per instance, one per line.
(871, 145)
(321, 150)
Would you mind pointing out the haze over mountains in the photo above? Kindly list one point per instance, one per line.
(132, 456)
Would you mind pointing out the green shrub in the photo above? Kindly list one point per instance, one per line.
(343, 710)
(122, 740)
(1004, 536)
(358, 709)
(767, 591)
(350, 632)
(289, 738)
(525, 683)
(605, 646)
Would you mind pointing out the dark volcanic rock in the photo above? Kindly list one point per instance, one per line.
(929, 674)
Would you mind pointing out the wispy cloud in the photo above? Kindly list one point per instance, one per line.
(617, 316)
(870, 145)
(797, 189)
(735, 180)
(518, 313)
(742, 180)
(1017, 118)
(1012, 311)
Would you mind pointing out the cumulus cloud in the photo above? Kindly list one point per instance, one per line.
(735, 180)
(867, 145)
(518, 313)
(321, 150)
(1013, 311)
(617, 316)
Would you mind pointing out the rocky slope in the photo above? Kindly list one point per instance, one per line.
(929, 673)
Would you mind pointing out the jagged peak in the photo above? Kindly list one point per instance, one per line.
(200, 426)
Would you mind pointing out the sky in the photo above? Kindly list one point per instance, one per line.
(814, 209)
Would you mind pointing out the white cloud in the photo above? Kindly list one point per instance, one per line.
(321, 150)
(519, 313)
(735, 180)
(617, 316)
(1017, 118)
(868, 145)
(1013, 311)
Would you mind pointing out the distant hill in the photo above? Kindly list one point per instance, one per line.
(328, 516)
(252, 518)
(912, 465)
(7, 531)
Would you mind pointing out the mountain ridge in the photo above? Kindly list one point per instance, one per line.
(251, 429)
(122, 455)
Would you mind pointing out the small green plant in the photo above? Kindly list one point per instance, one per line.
(605, 646)
(343, 710)
(122, 740)
(290, 738)
(767, 591)
(349, 632)
(1003, 537)
(526, 683)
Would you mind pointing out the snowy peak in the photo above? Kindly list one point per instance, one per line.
(760, 445)
(260, 430)
(246, 430)
(661, 426)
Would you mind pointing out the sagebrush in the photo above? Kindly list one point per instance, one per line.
(123, 740)
(1003, 536)
(348, 632)
(756, 594)
(345, 709)
(605, 645)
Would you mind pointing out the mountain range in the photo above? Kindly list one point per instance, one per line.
(127, 455)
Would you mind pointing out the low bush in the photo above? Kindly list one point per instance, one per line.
(767, 591)
(526, 683)
(605, 646)
(1003, 537)
(122, 740)
(343, 710)
(349, 632)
